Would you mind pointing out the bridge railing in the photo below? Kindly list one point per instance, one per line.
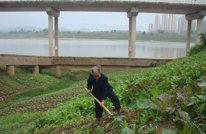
(155, 1)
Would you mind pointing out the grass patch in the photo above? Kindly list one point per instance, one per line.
(13, 123)
(42, 90)
(28, 85)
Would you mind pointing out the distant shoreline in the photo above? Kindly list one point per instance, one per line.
(91, 39)
(101, 37)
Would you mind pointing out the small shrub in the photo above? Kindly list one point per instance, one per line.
(199, 47)
(203, 38)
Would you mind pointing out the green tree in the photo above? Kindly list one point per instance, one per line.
(161, 31)
(143, 33)
(22, 30)
(45, 31)
(152, 34)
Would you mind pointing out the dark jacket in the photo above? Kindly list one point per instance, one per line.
(101, 88)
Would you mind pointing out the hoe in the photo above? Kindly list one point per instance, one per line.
(100, 103)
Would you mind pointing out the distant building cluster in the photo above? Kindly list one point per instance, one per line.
(171, 24)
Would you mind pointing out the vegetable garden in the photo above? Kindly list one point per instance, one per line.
(164, 99)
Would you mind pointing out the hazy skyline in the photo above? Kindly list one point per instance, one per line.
(92, 21)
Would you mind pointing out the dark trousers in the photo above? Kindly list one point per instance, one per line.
(99, 110)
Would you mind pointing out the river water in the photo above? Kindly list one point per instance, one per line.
(103, 48)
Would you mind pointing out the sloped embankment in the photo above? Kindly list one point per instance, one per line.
(156, 96)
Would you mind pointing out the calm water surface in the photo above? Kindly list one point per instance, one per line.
(93, 48)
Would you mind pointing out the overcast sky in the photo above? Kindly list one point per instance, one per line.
(92, 21)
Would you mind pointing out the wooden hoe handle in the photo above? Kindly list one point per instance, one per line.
(99, 103)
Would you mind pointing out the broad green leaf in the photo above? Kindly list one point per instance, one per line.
(203, 85)
(119, 118)
(186, 128)
(166, 131)
(127, 130)
(145, 83)
(100, 129)
(155, 105)
(179, 123)
(189, 88)
(204, 68)
(180, 96)
(175, 77)
(124, 123)
(173, 100)
(142, 103)
(197, 74)
(116, 125)
(164, 98)
(153, 98)
(133, 104)
(164, 105)
(155, 92)
(144, 95)
(86, 126)
(170, 110)
(184, 115)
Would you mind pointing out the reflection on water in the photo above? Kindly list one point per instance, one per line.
(169, 53)
(93, 48)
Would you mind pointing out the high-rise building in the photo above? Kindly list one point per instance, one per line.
(157, 23)
(182, 25)
(172, 23)
(164, 22)
(151, 28)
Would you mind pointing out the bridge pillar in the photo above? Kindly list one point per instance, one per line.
(132, 31)
(52, 12)
(58, 71)
(10, 70)
(189, 23)
(198, 31)
(56, 37)
(50, 20)
(198, 15)
(36, 70)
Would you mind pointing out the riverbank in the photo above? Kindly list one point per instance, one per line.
(86, 39)
(101, 36)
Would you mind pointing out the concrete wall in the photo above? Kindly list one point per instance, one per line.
(66, 62)
(6, 59)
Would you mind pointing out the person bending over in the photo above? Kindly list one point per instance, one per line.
(101, 90)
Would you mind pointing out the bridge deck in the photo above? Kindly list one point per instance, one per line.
(147, 6)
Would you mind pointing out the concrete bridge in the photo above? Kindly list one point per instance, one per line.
(37, 63)
(192, 9)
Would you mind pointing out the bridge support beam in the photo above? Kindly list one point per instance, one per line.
(198, 15)
(189, 23)
(58, 71)
(132, 31)
(50, 19)
(52, 12)
(36, 70)
(10, 70)
(56, 36)
(198, 31)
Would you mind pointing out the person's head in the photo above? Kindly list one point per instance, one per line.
(96, 72)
